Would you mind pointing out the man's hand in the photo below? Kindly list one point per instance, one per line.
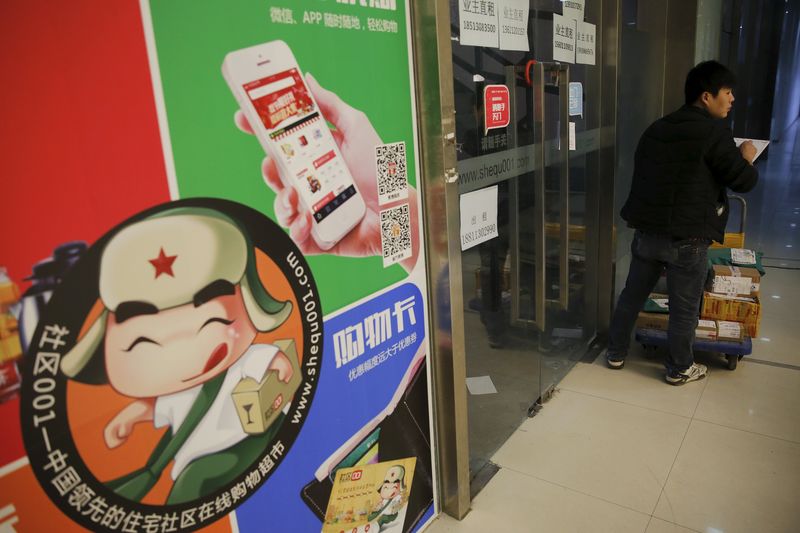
(748, 151)
(357, 139)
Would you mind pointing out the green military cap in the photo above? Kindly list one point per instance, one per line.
(163, 261)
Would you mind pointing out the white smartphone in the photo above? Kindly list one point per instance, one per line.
(271, 91)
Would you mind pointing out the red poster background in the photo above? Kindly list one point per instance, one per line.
(80, 148)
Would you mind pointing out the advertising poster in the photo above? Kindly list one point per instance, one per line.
(212, 289)
(372, 497)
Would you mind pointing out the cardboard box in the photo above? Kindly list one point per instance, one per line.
(745, 310)
(736, 281)
(652, 321)
(706, 329)
(752, 325)
(258, 404)
(730, 331)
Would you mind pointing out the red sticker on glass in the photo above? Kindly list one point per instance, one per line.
(496, 106)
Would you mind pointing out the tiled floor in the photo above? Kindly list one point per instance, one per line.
(621, 451)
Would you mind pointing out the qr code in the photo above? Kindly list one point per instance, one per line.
(395, 234)
(392, 172)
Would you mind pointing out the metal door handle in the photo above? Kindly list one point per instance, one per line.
(559, 76)
(538, 320)
(513, 212)
(563, 256)
(539, 192)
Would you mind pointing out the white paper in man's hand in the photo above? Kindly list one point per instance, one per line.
(760, 145)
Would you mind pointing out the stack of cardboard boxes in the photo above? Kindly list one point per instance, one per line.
(730, 311)
(734, 298)
(707, 329)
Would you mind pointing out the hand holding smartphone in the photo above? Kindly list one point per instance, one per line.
(315, 183)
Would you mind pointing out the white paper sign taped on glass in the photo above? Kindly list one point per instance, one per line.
(513, 22)
(575, 98)
(585, 45)
(572, 136)
(477, 21)
(573, 9)
(478, 217)
(563, 39)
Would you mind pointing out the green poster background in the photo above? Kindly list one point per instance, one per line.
(368, 70)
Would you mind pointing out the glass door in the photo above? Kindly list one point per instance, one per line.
(525, 313)
(571, 139)
(513, 312)
(569, 323)
(499, 275)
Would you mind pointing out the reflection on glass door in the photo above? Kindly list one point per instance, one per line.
(566, 331)
(500, 281)
(526, 317)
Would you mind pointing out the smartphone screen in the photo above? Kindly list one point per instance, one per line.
(301, 139)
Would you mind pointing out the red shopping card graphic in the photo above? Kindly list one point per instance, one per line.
(496, 103)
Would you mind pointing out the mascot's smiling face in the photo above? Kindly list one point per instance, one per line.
(394, 483)
(151, 354)
(182, 303)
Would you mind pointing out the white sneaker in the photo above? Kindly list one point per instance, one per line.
(693, 373)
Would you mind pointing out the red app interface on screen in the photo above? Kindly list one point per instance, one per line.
(302, 140)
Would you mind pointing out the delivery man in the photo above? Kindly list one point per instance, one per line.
(678, 204)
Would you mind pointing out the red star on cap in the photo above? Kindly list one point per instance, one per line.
(163, 263)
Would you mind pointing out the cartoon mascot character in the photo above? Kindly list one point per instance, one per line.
(183, 304)
(393, 497)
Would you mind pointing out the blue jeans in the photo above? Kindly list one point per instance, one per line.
(687, 268)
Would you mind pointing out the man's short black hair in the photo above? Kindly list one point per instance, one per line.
(709, 76)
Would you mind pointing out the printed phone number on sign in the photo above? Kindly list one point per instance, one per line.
(472, 236)
(479, 26)
(513, 30)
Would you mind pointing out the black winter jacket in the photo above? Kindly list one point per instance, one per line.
(683, 163)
